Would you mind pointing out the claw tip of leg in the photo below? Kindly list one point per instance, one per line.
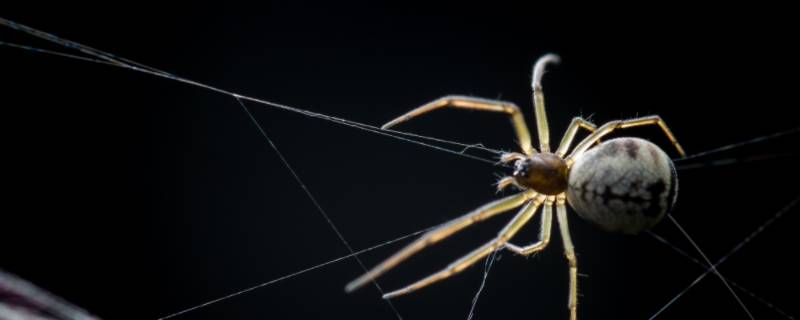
(350, 287)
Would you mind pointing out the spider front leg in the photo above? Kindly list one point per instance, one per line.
(538, 99)
(569, 252)
(622, 124)
(463, 102)
(544, 233)
(459, 265)
(487, 211)
(572, 130)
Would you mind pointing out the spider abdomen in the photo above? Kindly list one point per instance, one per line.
(623, 185)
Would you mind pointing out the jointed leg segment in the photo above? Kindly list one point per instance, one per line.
(622, 124)
(572, 130)
(569, 252)
(538, 100)
(544, 233)
(463, 102)
(436, 235)
(507, 233)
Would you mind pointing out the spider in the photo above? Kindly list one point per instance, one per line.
(623, 185)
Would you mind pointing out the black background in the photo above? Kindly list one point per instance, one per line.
(136, 197)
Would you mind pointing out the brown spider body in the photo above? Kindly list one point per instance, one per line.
(544, 172)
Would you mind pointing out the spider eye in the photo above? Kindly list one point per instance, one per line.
(522, 167)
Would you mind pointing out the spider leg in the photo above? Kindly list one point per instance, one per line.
(484, 212)
(569, 252)
(544, 234)
(507, 181)
(538, 100)
(511, 157)
(459, 265)
(573, 128)
(622, 124)
(463, 102)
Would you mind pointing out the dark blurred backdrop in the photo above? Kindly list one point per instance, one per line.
(136, 197)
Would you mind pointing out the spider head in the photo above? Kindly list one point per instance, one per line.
(545, 173)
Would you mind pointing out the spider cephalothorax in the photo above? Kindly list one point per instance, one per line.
(624, 185)
(544, 172)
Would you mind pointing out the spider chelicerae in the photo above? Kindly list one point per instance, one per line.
(622, 185)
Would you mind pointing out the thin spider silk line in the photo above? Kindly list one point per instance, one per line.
(132, 65)
(683, 253)
(686, 255)
(386, 132)
(731, 161)
(380, 131)
(113, 60)
(135, 66)
(713, 267)
(741, 144)
(465, 147)
(736, 248)
(56, 53)
(487, 267)
(657, 237)
(128, 64)
(109, 58)
(315, 202)
(295, 274)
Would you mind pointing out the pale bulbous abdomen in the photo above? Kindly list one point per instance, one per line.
(623, 185)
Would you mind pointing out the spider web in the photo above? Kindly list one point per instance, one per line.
(438, 144)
